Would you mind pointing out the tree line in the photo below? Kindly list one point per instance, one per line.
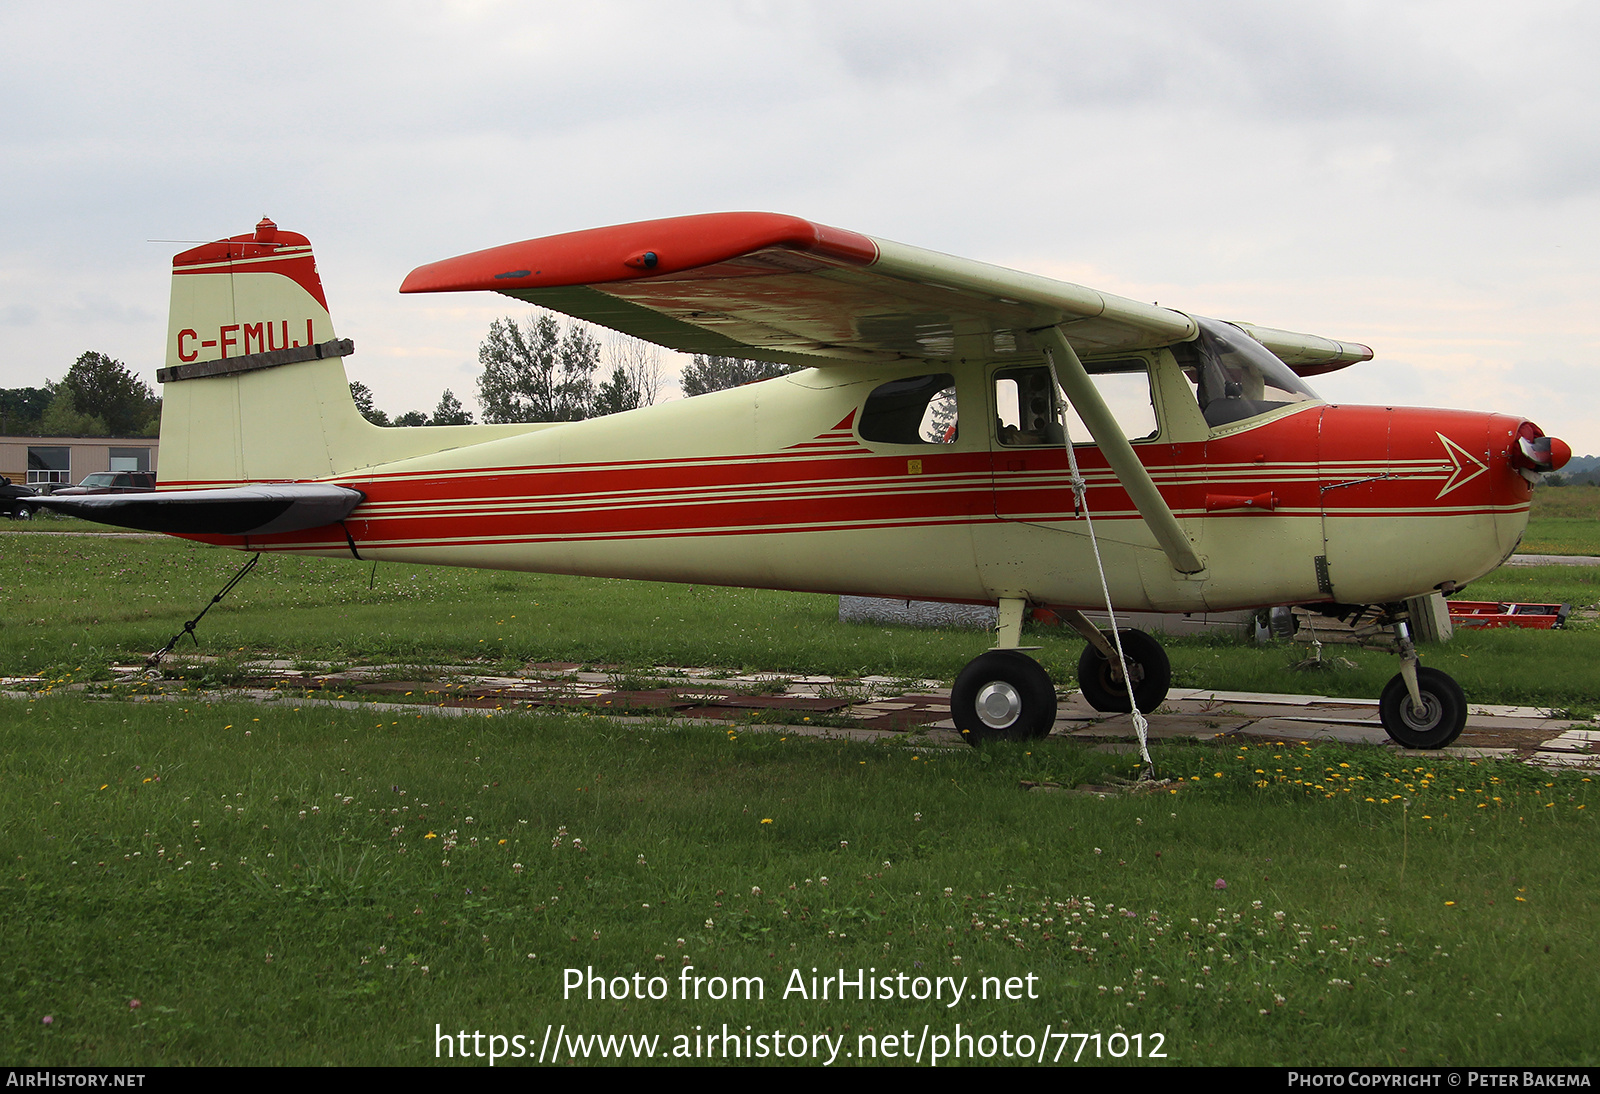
(98, 397)
(542, 369)
(546, 369)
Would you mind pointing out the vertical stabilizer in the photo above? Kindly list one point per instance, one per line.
(255, 388)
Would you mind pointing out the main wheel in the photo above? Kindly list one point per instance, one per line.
(1003, 696)
(1148, 668)
(1444, 710)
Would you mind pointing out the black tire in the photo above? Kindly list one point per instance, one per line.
(1003, 696)
(1147, 664)
(1444, 710)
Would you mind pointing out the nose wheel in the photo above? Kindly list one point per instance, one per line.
(1419, 708)
(1003, 696)
(1435, 721)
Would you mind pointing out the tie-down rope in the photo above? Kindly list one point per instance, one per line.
(1080, 493)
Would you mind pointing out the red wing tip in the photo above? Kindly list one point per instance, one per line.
(629, 252)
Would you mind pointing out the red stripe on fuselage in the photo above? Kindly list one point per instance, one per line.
(789, 491)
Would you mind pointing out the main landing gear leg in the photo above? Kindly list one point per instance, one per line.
(1100, 670)
(1004, 695)
(1420, 707)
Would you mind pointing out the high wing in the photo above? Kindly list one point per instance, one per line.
(780, 288)
(232, 511)
(784, 289)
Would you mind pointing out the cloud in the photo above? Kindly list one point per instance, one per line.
(1290, 163)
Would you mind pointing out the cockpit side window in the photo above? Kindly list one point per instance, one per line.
(1028, 406)
(915, 410)
(1234, 376)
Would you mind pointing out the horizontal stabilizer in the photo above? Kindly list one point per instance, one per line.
(234, 511)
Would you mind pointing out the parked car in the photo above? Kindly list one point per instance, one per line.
(12, 497)
(111, 482)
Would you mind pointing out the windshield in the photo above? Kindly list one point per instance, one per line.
(1235, 376)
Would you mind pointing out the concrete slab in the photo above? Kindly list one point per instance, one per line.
(1490, 710)
(1267, 697)
(1562, 760)
(1360, 723)
(1314, 731)
(1552, 560)
(1163, 727)
(1480, 721)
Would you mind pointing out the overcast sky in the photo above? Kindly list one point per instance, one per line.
(1420, 177)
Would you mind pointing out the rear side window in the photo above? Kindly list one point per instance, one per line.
(915, 410)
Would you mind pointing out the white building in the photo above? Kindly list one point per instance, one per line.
(46, 462)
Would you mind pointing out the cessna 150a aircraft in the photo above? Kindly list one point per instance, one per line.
(958, 428)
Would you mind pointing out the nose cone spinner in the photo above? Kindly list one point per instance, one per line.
(1534, 453)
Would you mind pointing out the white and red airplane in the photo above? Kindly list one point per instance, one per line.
(930, 451)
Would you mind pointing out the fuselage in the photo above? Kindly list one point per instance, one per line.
(789, 484)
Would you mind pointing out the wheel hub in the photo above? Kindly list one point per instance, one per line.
(1425, 719)
(999, 705)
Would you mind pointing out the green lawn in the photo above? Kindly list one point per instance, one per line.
(232, 884)
(1564, 520)
(76, 604)
(270, 884)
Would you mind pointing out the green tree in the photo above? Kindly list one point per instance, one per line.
(708, 372)
(64, 419)
(640, 361)
(103, 389)
(362, 394)
(22, 407)
(538, 371)
(617, 394)
(450, 412)
(412, 418)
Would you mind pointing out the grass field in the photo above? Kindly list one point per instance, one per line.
(244, 885)
(273, 885)
(1564, 520)
(77, 603)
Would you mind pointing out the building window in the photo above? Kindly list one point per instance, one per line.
(49, 465)
(130, 459)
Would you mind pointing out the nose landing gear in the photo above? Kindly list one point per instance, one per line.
(1420, 708)
(1433, 720)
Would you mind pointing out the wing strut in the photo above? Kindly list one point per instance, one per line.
(1074, 380)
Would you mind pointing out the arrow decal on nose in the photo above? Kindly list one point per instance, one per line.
(1464, 466)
